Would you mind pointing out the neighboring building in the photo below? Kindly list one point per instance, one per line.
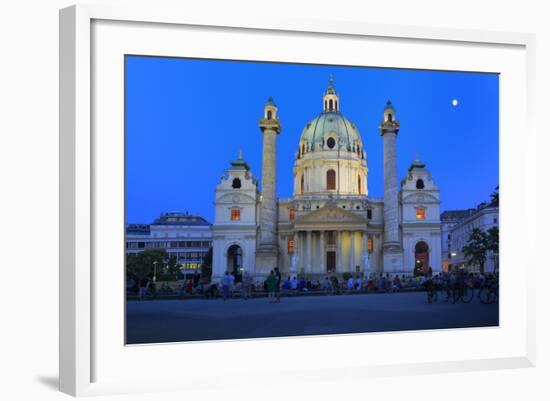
(448, 220)
(330, 224)
(185, 237)
(484, 217)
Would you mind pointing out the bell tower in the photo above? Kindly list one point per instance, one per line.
(268, 249)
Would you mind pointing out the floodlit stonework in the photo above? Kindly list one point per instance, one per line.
(330, 225)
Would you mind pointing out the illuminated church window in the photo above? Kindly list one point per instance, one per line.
(235, 214)
(421, 213)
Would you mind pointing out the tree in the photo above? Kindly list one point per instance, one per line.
(492, 239)
(494, 197)
(492, 242)
(206, 267)
(171, 271)
(142, 264)
(475, 250)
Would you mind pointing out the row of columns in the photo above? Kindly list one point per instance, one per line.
(305, 261)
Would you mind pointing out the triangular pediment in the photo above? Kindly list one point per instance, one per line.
(330, 214)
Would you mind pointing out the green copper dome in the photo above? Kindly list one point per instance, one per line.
(330, 124)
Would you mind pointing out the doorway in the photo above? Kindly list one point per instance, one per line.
(234, 259)
(331, 261)
(421, 257)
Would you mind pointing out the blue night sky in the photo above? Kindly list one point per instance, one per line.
(187, 119)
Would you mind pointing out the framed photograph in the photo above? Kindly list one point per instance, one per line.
(233, 188)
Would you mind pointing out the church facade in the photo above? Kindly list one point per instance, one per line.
(330, 225)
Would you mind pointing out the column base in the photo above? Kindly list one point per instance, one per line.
(393, 258)
(267, 259)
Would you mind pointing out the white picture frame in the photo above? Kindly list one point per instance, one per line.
(82, 330)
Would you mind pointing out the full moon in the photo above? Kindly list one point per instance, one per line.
(455, 102)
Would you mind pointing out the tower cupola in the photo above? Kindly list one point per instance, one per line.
(389, 122)
(270, 110)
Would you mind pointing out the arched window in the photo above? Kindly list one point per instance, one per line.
(325, 104)
(236, 183)
(269, 114)
(303, 148)
(330, 104)
(336, 105)
(331, 179)
(359, 184)
(302, 185)
(331, 143)
(420, 184)
(390, 117)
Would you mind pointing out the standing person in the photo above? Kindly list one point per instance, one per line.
(350, 283)
(294, 284)
(196, 279)
(226, 282)
(358, 283)
(246, 285)
(271, 282)
(278, 285)
(143, 285)
(231, 285)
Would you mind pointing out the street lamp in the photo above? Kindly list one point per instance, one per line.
(155, 271)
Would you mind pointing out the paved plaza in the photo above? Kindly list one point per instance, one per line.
(201, 319)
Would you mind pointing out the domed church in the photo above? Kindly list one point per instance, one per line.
(330, 225)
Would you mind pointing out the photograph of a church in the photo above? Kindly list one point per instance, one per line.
(274, 199)
(330, 225)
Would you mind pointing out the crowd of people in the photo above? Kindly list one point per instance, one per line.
(274, 285)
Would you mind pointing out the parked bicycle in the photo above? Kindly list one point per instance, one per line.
(488, 293)
(462, 290)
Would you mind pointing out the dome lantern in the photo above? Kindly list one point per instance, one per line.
(331, 101)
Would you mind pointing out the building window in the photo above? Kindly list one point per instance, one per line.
(390, 117)
(369, 214)
(330, 104)
(370, 244)
(421, 213)
(419, 184)
(358, 184)
(331, 179)
(269, 114)
(292, 213)
(303, 148)
(331, 142)
(236, 183)
(290, 246)
(235, 214)
(302, 185)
